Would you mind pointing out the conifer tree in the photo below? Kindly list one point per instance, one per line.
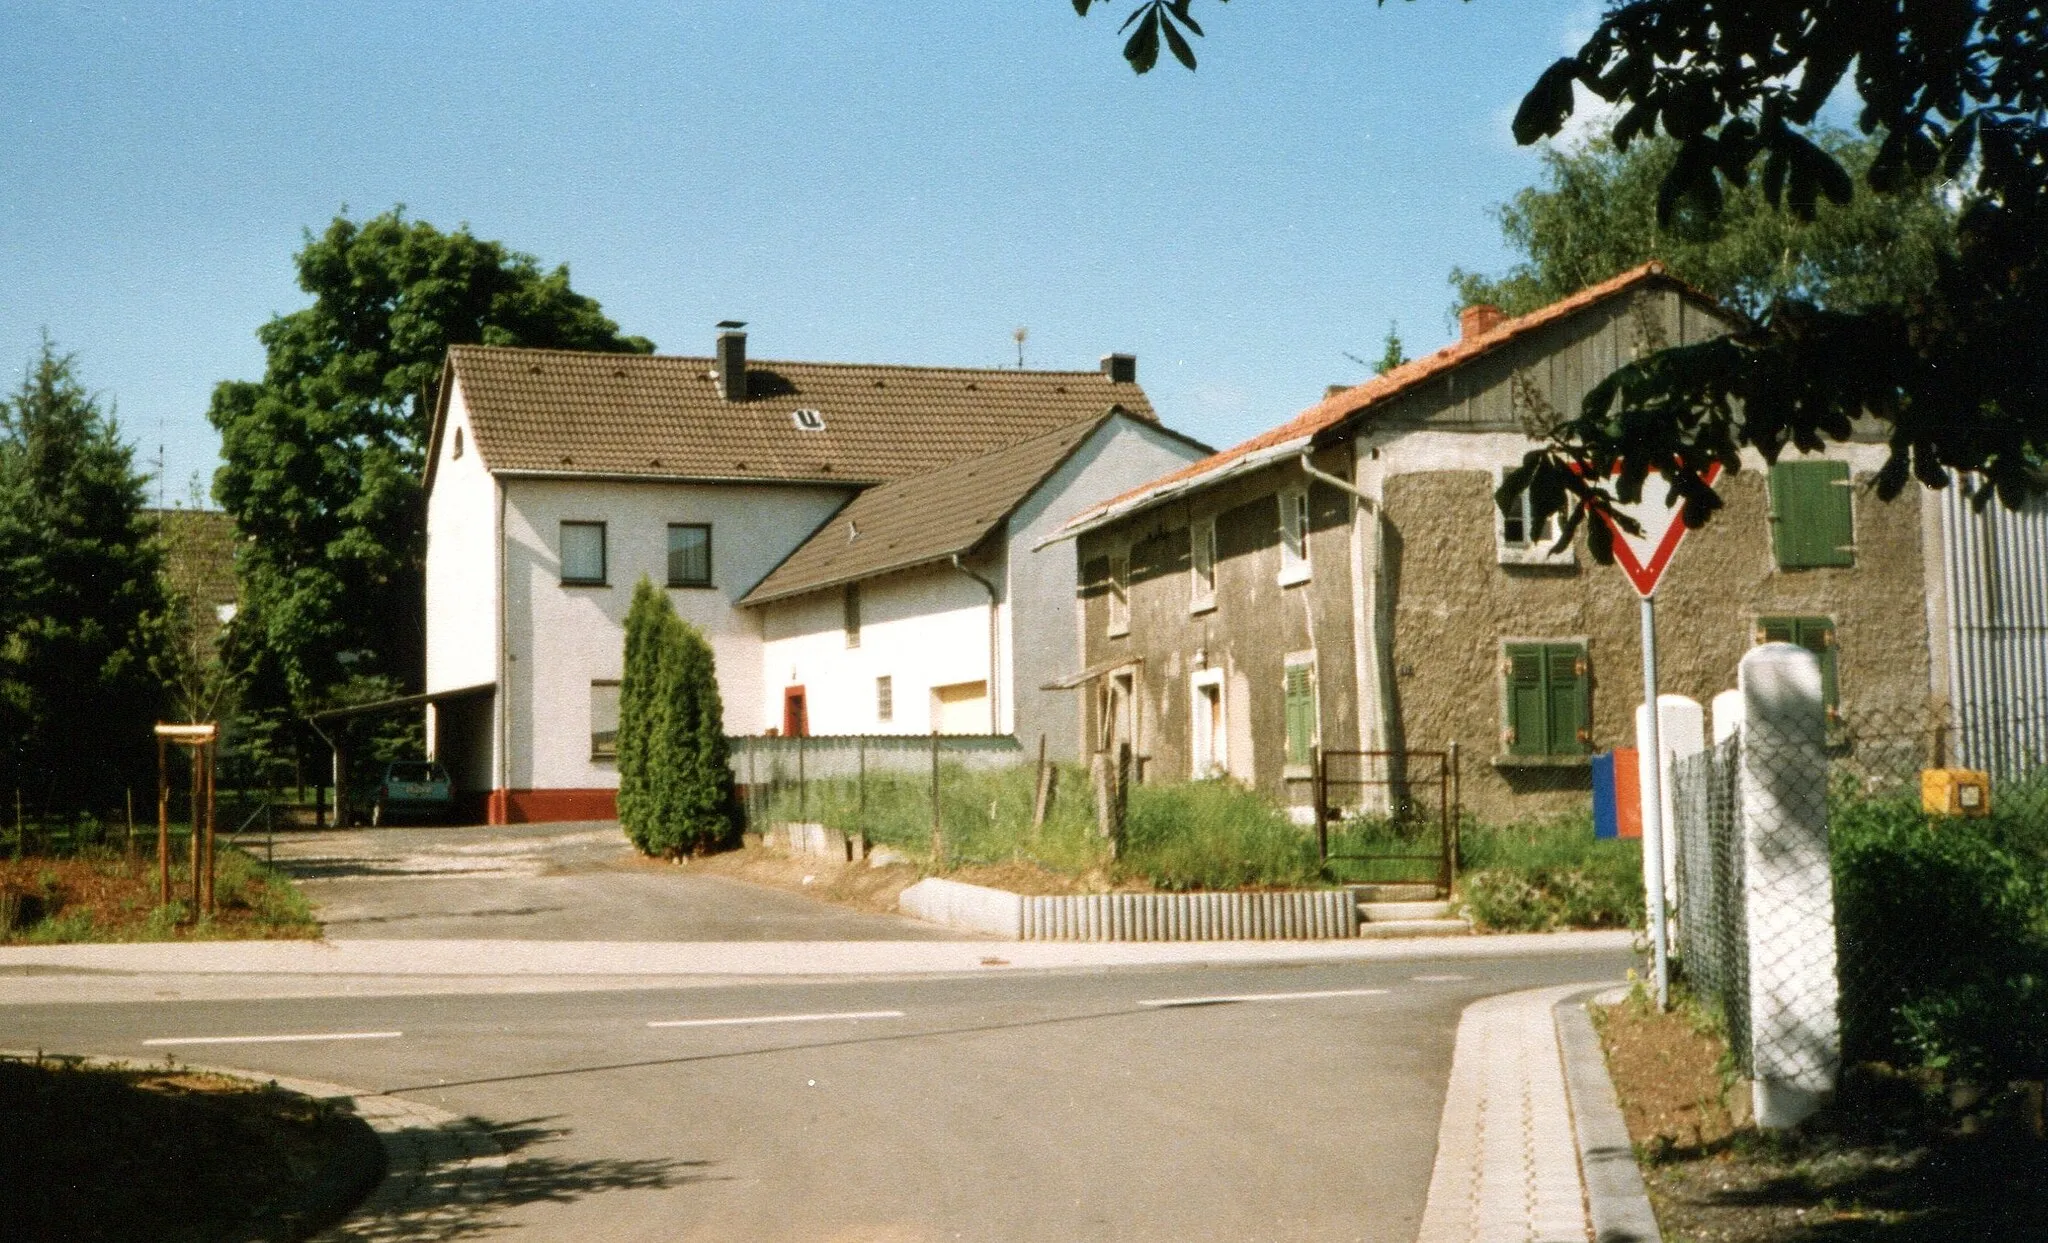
(676, 793)
(639, 705)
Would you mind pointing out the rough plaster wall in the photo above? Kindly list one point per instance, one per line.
(1255, 624)
(1455, 605)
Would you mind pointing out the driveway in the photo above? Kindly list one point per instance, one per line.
(577, 881)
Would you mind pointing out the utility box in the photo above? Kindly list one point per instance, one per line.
(1955, 792)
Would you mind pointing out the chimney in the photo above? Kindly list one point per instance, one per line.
(1120, 368)
(1477, 320)
(732, 360)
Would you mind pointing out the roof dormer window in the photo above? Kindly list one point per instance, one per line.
(808, 420)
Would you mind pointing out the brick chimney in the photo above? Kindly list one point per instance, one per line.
(731, 367)
(1478, 320)
(1120, 368)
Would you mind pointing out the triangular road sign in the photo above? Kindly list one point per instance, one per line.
(1645, 557)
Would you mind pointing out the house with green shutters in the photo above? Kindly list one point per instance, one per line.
(1344, 582)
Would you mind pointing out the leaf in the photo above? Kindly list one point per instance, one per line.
(1142, 51)
(1178, 44)
(1081, 7)
(1548, 103)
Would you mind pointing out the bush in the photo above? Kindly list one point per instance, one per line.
(1214, 835)
(1942, 928)
(676, 792)
(1545, 874)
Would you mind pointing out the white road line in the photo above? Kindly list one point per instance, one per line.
(1164, 1002)
(163, 1040)
(781, 1018)
(1438, 979)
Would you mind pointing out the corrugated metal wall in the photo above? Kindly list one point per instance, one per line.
(1997, 569)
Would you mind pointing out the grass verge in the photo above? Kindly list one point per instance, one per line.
(1553, 873)
(104, 894)
(1894, 1162)
(100, 1153)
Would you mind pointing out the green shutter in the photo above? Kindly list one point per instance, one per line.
(1566, 691)
(1301, 713)
(1812, 523)
(1527, 723)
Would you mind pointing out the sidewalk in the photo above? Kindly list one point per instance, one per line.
(1526, 1116)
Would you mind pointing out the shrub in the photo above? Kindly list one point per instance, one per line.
(1213, 835)
(676, 792)
(1942, 928)
(1544, 874)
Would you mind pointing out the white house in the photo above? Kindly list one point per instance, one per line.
(556, 480)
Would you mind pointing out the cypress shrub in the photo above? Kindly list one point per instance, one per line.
(676, 792)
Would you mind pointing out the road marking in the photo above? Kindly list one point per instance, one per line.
(163, 1040)
(1234, 998)
(780, 1018)
(1439, 979)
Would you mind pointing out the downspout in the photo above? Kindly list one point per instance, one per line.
(994, 652)
(1370, 671)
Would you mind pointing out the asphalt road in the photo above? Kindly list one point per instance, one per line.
(551, 882)
(1054, 1105)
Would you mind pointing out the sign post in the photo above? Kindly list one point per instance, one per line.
(1644, 559)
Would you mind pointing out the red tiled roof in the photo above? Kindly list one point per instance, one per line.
(1342, 405)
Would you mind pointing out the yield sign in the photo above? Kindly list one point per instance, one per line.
(1644, 557)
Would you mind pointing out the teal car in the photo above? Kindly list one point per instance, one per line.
(412, 790)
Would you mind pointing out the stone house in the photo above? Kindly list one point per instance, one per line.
(557, 480)
(1345, 581)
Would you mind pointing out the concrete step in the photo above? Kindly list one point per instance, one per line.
(1416, 928)
(1395, 893)
(1384, 912)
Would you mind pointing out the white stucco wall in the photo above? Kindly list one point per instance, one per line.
(921, 628)
(1041, 635)
(561, 638)
(461, 589)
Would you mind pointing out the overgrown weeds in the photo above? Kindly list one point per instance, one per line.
(1537, 875)
(102, 894)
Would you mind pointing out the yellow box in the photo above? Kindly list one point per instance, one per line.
(1955, 792)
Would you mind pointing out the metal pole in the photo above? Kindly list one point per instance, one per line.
(1651, 765)
(938, 827)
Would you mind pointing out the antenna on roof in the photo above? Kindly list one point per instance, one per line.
(1018, 334)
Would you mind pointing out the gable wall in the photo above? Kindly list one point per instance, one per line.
(462, 600)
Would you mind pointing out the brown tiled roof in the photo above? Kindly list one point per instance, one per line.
(663, 417)
(1345, 403)
(922, 519)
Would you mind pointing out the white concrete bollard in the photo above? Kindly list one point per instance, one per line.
(1788, 891)
(1726, 711)
(1681, 731)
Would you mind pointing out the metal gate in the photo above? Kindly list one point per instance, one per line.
(1394, 811)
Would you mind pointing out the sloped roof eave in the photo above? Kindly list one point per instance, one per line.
(1118, 510)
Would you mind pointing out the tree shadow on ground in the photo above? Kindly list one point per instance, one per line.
(456, 1181)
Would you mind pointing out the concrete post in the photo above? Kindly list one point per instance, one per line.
(1681, 731)
(1725, 712)
(1781, 796)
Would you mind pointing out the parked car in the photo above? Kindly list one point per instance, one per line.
(412, 790)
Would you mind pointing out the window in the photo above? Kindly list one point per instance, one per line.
(1293, 536)
(604, 720)
(1816, 635)
(455, 448)
(1301, 712)
(1811, 522)
(689, 554)
(1209, 752)
(1519, 541)
(1201, 564)
(583, 554)
(885, 699)
(1547, 696)
(808, 420)
(850, 606)
(1119, 593)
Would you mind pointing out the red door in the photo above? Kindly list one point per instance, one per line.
(795, 723)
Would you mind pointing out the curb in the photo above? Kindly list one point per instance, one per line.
(1616, 1199)
(439, 1167)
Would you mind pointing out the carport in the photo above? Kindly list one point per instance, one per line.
(339, 745)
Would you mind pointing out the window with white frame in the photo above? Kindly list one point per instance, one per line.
(604, 720)
(1119, 593)
(583, 554)
(689, 554)
(885, 699)
(1201, 564)
(1209, 732)
(1293, 535)
(1520, 541)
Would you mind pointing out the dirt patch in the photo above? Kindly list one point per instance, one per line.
(112, 896)
(1880, 1167)
(101, 1153)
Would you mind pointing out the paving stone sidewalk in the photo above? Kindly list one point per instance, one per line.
(1507, 1162)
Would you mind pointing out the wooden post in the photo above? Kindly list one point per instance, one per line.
(1098, 778)
(1457, 816)
(938, 822)
(204, 755)
(1321, 796)
(131, 824)
(858, 850)
(1121, 803)
(163, 826)
(1044, 792)
(192, 843)
(341, 807)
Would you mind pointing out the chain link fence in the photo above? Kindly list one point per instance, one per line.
(1869, 756)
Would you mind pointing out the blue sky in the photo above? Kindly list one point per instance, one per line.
(861, 181)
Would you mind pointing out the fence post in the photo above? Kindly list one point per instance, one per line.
(1320, 795)
(1121, 802)
(1042, 793)
(938, 825)
(1099, 779)
(860, 801)
(1451, 854)
(163, 827)
(1788, 891)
